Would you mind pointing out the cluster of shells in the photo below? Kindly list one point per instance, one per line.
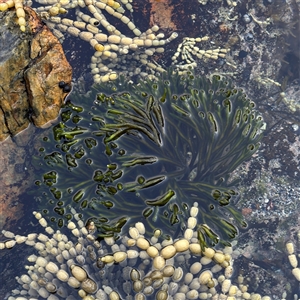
(18, 5)
(93, 21)
(115, 51)
(293, 259)
(188, 51)
(229, 2)
(75, 264)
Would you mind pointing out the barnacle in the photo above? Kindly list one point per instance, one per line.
(162, 145)
(74, 265)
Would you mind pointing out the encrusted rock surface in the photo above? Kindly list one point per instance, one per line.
(31, 66)
(15, 178)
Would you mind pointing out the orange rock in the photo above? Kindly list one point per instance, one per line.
(246, 211)
(32, 63)
(161, 14)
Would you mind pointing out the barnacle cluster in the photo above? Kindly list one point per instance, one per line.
(119, 46)
(115, 50)
(18, 5)
(188, 51)
(149, 151)
(293, 258)
(75, 265)
(229, 2)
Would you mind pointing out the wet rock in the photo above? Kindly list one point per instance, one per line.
(32, 63)
(14, 180)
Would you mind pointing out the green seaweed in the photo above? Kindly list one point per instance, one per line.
(150, 150)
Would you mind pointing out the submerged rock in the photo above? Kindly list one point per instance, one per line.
(32, 64)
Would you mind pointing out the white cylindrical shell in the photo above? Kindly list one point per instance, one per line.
(233, 290)
(203, 296)
(31, 236)
(43, 222)
(8, 234)
(52, 267)
(209, 252)
(73, 282)
(194, 211)
(39, 246)
(89, 286)
(180, 296)
(195, 248)
(216, 268)
(86, 35)
(66, 254)
(32, 258)
(168, 251)
(139, 42)
(78, 272)
(120, 256)
(188, 277)
(132, 254)
(125, 20)
(205, 260)
(134, 233)
(142, 243)
(71, 225)
(226, 285)
(246, 295)
(140, 227)
(50, 287)
(188, 234)
(41, 262)
(168, 271)
(109, 240)
(192, 294)
(73, 31)
(114, 296)
(219, 257)
(181, 245)
(43, 238)
(107, 259)
(20, 239)
(195, 267)
(34, 285)
(195, 284)
(126, 41)
(205, 277)
(178, 274)
(148, 42)
(62, 275)
(136, 32)
(228, 271)
(43, 293)
(293, 260)
(152, 251)
(114, 39)
(290, 248)
(159, 262)
(25, 278)
(101, 37)
(9, 244)
(76, 232)
(296, 273)
(192, 222)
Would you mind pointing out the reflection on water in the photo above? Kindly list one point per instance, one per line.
(263, 39)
